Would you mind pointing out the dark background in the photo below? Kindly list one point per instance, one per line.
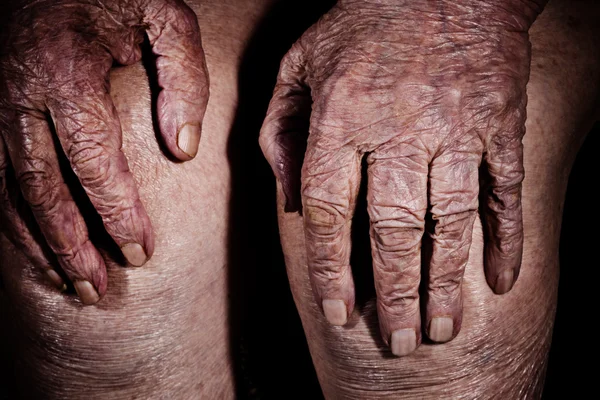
(572, 368)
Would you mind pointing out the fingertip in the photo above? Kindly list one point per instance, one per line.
(336, 312)
(56, 280)
(91, 269)
(504, 282)
(134, 234)
(86, 292)
(441, 329)
(444, 315)
(335, 297)
(188, 140)
(501, 269)
(135, 254)
(400, 327)
(403, 342)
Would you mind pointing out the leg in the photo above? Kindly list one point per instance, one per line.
(162, 330)
(503, 345)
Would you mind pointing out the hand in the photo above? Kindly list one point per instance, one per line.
(425, 91)
(55, 57)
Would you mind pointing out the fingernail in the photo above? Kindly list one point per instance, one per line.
(135, 254)
(188, 139)
(440, 329)
(505, 281)
(86, 292)
(404, 342)
(56, 280)
(335, 312)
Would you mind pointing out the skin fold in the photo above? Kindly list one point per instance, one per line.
(502, 350)
(55, 58)
(424, 92)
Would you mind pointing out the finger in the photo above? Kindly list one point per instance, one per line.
(397, 203)
(454, 190)
(330, 179)
(90, 134)
(285, 129)
(174, 34)
(502, 213)
(14, 225)
(37, 170)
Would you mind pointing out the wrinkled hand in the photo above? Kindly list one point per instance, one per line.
(425, 91)
(55, 56)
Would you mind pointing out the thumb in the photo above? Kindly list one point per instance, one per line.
(285, 129)
(174, 34)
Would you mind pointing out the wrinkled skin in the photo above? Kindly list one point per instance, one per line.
(162, 331)
(55, 57)
(426, 92)
(502, 349)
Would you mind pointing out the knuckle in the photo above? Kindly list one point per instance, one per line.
(188, 14)
(185, 18)
(92, 163)
(511, 199)
(293, 62)
(118, 217)
(399, 298)
(277, 150)
(73, 253)
(510, 241)
(454, 226)
(37, 186)
(399, 238)
(505, 197)
(508, 180)
(324, 274)
(323, 217)
(450, 255)
(503, 103)
(129, 50)
(88, 155)
(506, 141)
(334, 90)
(266, 142)
(504, 93)
(447, 286)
